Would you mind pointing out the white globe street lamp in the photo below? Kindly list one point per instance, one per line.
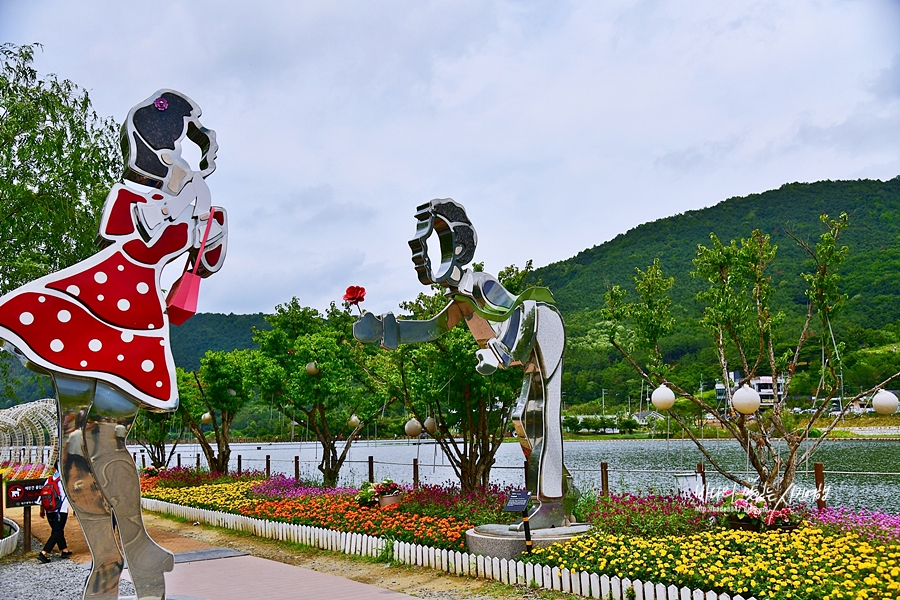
(353, 422)
(413, 428)
(430, 425)
(663, 398)
(206, 419)
(884, 402)
(312, 368)
(745, 400)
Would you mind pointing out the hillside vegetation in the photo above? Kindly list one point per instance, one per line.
(870, 279)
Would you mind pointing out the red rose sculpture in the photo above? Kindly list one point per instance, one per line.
(355, 294)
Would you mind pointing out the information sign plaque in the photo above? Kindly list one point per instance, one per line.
(518, 501)
(24, 492)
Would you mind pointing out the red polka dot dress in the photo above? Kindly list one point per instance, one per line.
(105, 316)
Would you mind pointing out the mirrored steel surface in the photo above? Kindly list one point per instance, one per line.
(512, 330)
(100, 329)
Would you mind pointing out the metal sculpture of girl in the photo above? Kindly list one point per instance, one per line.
(513, 330)
(100, 330)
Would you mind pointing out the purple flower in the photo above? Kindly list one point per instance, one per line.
(161, 103)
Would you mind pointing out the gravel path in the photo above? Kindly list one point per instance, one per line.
(24, 578)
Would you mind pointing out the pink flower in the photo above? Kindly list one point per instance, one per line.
(161, 103)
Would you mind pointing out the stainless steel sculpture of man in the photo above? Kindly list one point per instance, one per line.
(524, 330)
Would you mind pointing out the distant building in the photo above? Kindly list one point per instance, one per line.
(644, 418)
(764, 386)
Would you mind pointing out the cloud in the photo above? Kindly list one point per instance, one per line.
(557, 124)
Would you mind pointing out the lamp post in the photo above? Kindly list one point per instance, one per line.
(884, 402)
(663, 398)
(603, 400)
(745, 400)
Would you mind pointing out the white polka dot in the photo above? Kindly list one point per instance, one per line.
(41, 299)
(100, 277)
(151, 326)
(95, 345)
(147, 366)
(127, 336)
(84, 363)
(120, 358)
(73, 289)
(123, 304)
(26, 318)
(56, 345)
(121, 268)
(159, 384)
(64, 316)
(100, 297)
(143, 288)
(162, 342)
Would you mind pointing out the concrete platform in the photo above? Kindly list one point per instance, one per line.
(499, 541)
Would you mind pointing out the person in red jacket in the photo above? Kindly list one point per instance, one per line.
(57, 521)
(100, 329)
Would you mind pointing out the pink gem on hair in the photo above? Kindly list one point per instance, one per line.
(161, 103)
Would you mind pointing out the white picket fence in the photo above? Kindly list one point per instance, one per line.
(9, 543)
(582, 583)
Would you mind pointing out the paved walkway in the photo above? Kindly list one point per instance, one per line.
(249, 577)
(204, 572)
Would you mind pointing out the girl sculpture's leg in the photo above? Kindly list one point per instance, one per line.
(101, 481)
(75, 397)
(109, 421)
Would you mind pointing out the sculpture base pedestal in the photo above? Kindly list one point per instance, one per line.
(499, 541)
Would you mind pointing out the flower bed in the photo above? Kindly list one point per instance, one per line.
(874, 526)
(282, 499)
(652, 515)
(11, 471)
(808, 564)
(341, 512)
(480, 506)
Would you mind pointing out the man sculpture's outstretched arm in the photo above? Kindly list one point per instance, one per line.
(389, 333)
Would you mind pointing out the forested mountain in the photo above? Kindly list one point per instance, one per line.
(870, 278)
(213, 331)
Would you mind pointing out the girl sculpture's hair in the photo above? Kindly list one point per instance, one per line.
(158, 124)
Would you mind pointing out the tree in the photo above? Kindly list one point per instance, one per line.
(310, 368)
(571, 424)
(628, 425)
(58, 160)
(152, 430)
(220, 390)
(745, 330)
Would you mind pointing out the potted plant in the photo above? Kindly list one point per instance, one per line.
(388, 492)
(383, 494)
(743, 510)
(784, 519)
(748, 511)
(366, 495)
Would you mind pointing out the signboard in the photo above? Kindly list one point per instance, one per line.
(24, 492)
(518, 501)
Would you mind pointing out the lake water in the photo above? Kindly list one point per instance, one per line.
(635, 465)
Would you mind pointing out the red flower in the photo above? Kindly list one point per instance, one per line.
(355, 294)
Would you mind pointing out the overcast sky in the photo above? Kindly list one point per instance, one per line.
(557, 124)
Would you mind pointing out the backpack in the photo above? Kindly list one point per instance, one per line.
(51, 499)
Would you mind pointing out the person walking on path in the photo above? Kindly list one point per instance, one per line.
(57, 521)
